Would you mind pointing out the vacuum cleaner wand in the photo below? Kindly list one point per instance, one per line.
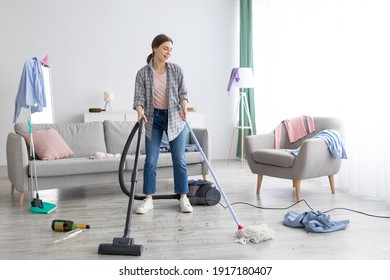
(124, 245)
(134, 180)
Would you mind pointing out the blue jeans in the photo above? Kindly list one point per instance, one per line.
(177, 147)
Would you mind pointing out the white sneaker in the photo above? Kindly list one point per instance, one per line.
(146, 205)
(185, 205)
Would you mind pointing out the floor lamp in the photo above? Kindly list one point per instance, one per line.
(241, 78)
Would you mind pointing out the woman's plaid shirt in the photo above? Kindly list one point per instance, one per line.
(143, 95)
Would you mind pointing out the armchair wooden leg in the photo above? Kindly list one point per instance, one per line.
(331, 182)
(259, 180)
(297, 186)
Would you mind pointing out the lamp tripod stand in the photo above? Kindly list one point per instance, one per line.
(239, 122)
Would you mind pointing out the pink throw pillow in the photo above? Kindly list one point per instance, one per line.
(49, 144)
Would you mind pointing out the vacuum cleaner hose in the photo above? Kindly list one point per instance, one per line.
(123, 158)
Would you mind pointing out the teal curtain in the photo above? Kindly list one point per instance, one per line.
(246, 60)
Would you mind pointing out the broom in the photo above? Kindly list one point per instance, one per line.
(252, 233)
(37, 205)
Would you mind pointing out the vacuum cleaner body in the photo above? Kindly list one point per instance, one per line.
(202, 192)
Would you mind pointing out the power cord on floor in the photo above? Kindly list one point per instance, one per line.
(307, 204)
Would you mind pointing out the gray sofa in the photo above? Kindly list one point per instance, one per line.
(85, 139)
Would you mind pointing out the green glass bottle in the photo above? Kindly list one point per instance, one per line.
(67, 225)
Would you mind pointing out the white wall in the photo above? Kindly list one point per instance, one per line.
(98, 45)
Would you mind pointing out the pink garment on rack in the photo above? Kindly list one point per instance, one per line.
(295, 128)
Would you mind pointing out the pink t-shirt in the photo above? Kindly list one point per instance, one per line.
(160, 100)
(295, 128)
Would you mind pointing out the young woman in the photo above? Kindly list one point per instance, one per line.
(159, 88)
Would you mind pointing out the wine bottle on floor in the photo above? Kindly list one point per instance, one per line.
(67, 225)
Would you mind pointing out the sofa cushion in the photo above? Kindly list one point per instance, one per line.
(48, 144)
(76, 166)
(276, 157)
(85, 165)
(116, 135)
(84, 139)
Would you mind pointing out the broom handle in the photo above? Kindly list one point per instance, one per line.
(32, 152)
(211, 171)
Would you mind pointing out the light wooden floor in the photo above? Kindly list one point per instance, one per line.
(205, 234)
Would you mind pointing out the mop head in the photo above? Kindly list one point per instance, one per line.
(46, 208)
(254, 234)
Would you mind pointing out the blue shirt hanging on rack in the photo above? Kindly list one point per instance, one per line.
(31, 92)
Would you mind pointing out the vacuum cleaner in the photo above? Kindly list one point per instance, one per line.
(201, 192)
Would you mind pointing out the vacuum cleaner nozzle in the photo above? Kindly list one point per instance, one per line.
(121, 246)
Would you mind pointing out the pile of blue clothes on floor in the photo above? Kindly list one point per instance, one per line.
(313, 221)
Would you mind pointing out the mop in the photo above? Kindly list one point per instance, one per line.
(254, 234)
(37, 205)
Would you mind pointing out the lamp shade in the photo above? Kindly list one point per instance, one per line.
(108, 96)
(245, 78)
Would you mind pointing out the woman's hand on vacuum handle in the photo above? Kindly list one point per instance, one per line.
(140, 113)
(183, 109)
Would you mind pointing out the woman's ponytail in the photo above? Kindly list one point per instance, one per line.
(149, 58)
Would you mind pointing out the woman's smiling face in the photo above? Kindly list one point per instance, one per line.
(163, 52)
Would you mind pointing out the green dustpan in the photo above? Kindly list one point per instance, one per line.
(42, 207)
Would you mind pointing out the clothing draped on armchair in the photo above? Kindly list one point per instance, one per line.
(295, 128)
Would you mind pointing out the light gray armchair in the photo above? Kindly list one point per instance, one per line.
(313, 160)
